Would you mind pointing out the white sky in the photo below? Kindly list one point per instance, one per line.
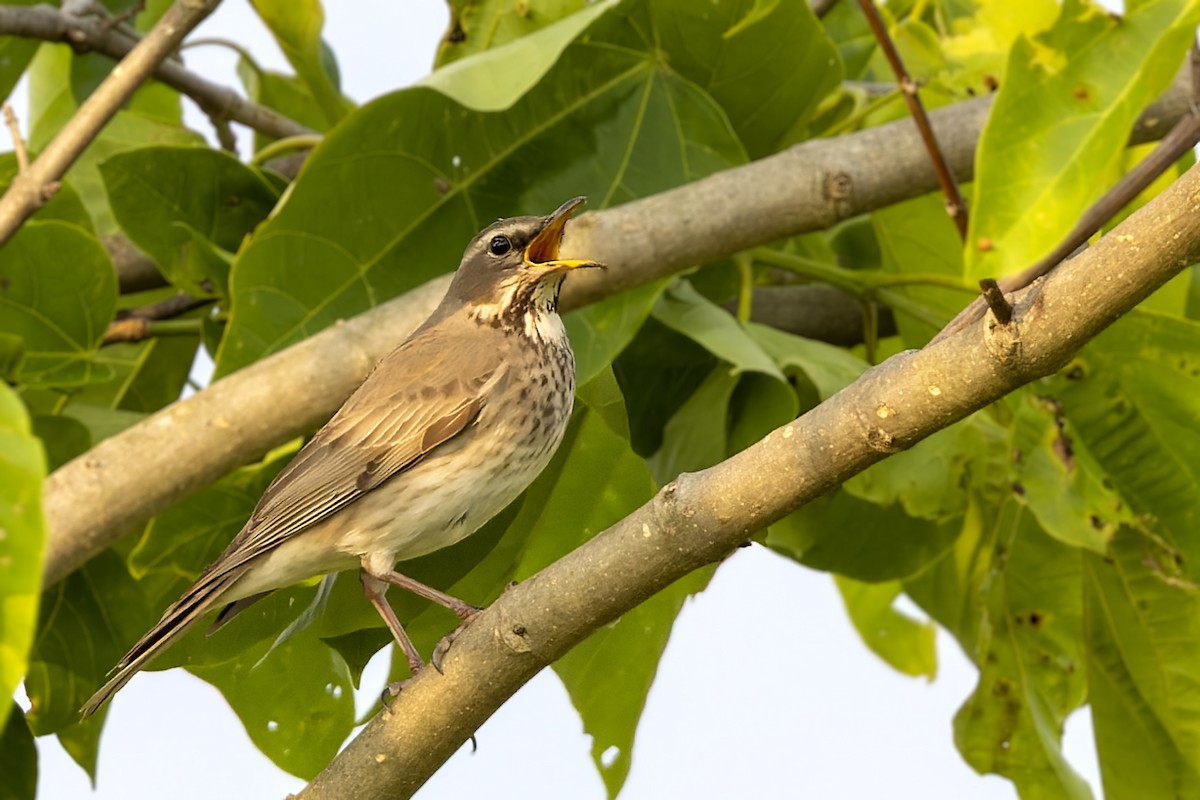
(765, 690)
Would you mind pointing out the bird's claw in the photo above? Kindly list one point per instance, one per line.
(443, 647)
(391, 692)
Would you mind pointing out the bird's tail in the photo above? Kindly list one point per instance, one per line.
(205, 594)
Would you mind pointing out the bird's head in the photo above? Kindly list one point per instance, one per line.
(512, 267)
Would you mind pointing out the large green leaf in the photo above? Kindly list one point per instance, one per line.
(1012, 596)
(314, 263)
(480, 25)
(1073, 499)
(297, 717)
(859, 539)
(297, 25)
(609, 675)
(1133, 400)
(52, 101)
(22, 467)
(779, 44)
(918, 236)
(907, 645)
(60, 329)
(86, 622)
(1142, 627)
(162, 195)
(1060, 121)
(18, 756)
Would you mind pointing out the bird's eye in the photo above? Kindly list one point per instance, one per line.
(499, 245)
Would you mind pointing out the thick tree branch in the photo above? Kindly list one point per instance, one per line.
(27, 192)
(85, 33)
(91, 501)
(699, 518)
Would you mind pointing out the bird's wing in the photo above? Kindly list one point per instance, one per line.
(413, 402)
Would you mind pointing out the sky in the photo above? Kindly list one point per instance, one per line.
(765, 689)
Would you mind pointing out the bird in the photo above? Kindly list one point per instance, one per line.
(447, 430)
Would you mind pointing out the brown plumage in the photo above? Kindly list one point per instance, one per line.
(450, 427)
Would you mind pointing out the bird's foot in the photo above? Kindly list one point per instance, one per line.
(443, 647)
(391, 692)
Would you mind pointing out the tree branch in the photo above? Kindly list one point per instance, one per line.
(94, 34)
(27, 192)
(699, 518)
(124, 480)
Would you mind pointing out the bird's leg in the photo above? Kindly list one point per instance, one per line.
(376, 592)
(465, 611)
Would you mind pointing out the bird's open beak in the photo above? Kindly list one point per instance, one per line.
(542, 252)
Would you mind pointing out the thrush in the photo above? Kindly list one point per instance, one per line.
(448, 429)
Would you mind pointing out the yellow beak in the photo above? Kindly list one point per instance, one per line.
(543, 250)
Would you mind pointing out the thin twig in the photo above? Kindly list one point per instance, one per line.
(136, 324)
(956, 207)
(14, 129)
(126, 15)
(86, 34)
(26, 194)
(1001, 309)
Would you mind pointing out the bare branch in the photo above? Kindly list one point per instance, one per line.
(27, 193)
(699, 518)
(85, 33)
(128, 478)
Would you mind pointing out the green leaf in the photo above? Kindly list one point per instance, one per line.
(86, 622)
(873, 543)
(697, 436)
(312, 264)
(1059, 124)
(64, 438)
(166, 198)
(905, 644)
(283, 93)
(781, 45)
(830, 369)
(685, 310)
(1012, 596)
(22, 467)
(298, 718)
(918, 236)
(15, 54)
(65, 205)
(1142, 627)
(657, 373)
(495, 79)
(931, 479)
(477, 26)
(52, 102)
(18, 755)
(61, 330)
(296, 25)
(1060, 480)
(609, 675)
(185, 538)
(599, 332)
(1133, 400)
